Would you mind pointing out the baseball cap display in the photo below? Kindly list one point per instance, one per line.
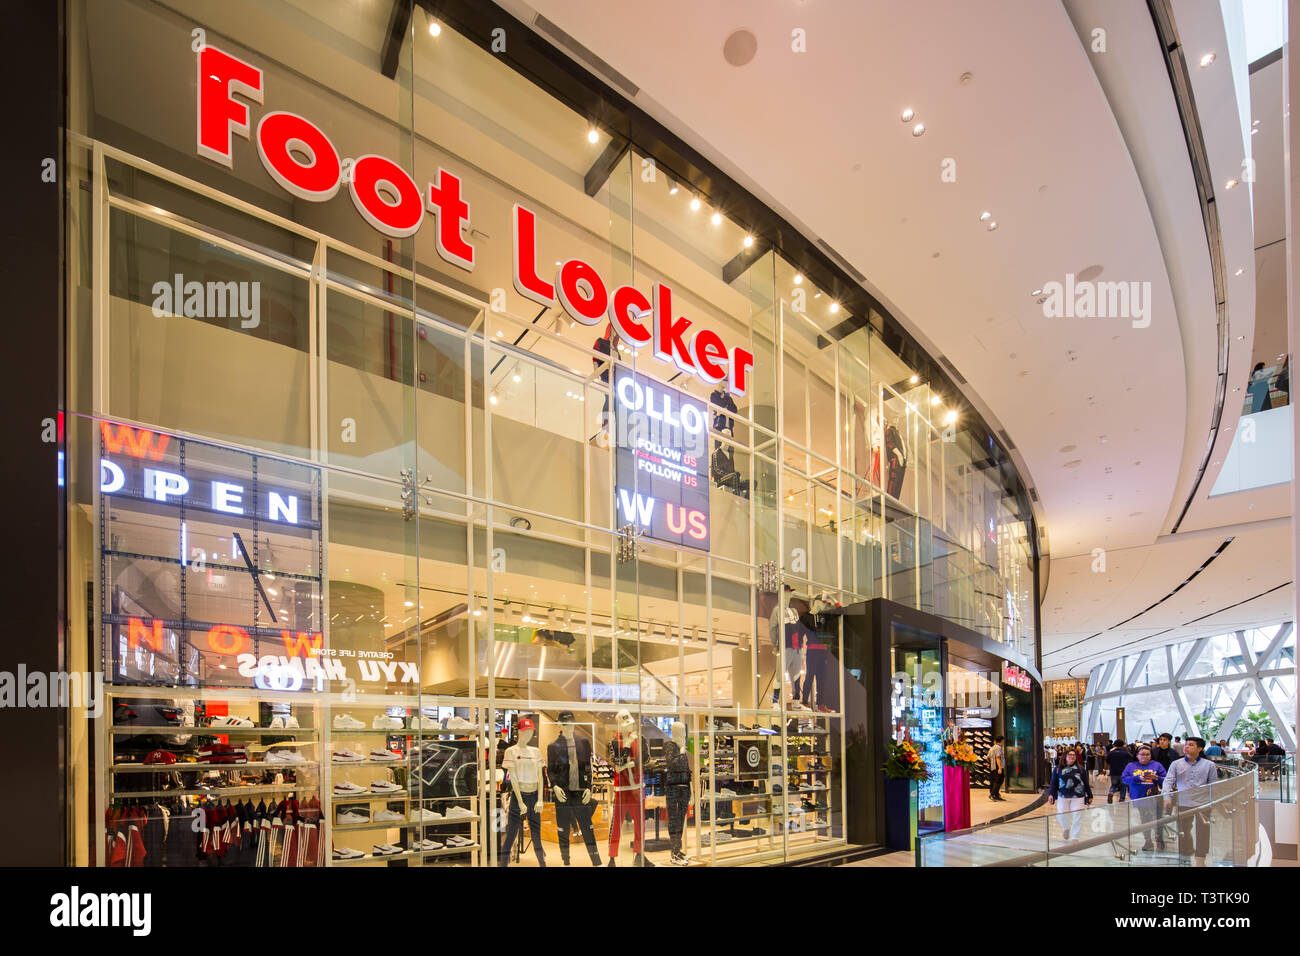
(525, 724)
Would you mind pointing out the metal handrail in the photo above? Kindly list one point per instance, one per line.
(1244, 772)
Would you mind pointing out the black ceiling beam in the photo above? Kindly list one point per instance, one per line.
(605, 164)
(742, 260)
(398, 24)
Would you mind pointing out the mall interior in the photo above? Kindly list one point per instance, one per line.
(563, 433)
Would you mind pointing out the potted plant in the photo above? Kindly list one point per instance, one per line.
(903, 767)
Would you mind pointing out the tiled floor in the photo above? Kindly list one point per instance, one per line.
(982, 810)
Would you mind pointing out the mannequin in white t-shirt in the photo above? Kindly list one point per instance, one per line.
(523, 762)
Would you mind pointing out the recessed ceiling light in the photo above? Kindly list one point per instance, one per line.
(493, 399)
(1254, 122)
(516, 376)
(817, 295)
(985, 216)
(1036, 292)
(951, 417)
(749, 241)
(695, 203)
(1207, 60)
(1236, 388)
(434, 28)
(908, 114)
(936, 400)
(918, 129)
(716, 219)
(1239, 271)
(592, 135)
(993, 225)
(1230, 183)
(798, 279)
(1241, 338)
(835, 307)
(914, 379)
(1254, 131)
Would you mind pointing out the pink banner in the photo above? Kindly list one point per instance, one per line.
(956, 798)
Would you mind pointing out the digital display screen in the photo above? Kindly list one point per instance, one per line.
(661, 461)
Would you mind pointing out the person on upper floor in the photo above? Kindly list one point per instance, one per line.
(1214, 750)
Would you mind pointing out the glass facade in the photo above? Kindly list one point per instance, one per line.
(1235, 687)
(404, 529)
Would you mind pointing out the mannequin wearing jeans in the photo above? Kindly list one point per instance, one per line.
(524, 764)
(568, 768)
(624, 754)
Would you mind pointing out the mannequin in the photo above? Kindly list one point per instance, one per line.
(677, 789)
(625, 756)
(524, 764)
(877, 426)
(568, 769)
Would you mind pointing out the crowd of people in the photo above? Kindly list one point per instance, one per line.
(1138, 770)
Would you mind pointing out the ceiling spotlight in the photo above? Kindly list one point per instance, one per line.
(1230, 183)
(1254, 122)
(993, 225)
(672, 188)
(695, 203)
(798, 279)
(918, 129)
(985, 216)
(749, 241)
(936, 400)
(1207, 60)
(1239, 272)
(951, 417)
(1241, 338)
(835, 307)
(493, 399)
(716, 219)
(914, 379)
(1036, 292)
(908, 114)
(592, 135)
(434, 28)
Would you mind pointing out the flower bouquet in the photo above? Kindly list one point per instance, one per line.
(958, 753)
(903, 762)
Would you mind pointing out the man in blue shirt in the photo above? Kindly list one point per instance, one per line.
(1191, 776)
(1144, 777)
(1214, 750)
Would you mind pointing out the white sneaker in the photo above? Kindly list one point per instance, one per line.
(727, 792)
(277, 723)
(383, 755)
(347, 722)
(284, 755)
(427, 845)
(230, 722)
(347, 756)
(724, 725)
(384, 787)
(383, 722)
(291, 723)
(460, 813)
(348, 790)
(458, 723)
(425, 815)
(346, 854)
(388, 816)
(459, 840)
(348, 817)
(385, 849)
(423, 723)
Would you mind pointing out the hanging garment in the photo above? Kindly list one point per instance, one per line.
(895, 461)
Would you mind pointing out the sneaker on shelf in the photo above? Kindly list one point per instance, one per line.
(347, 854)
(378, 754)
(384, 788)
(348, 790)
(777, 789)
(284, 755)
(384, 722)
(347, 722)
(385, 849)
(458, 723)
(459, 813)
(776, 770)
(427, 845)
(425, 815)
(230, 722)
(423, 724)
(347, 756)
(349, 817)
(459, 841)
(388, 816)
(277, 723)
(291, 723)
(724, 725)
(727, 792)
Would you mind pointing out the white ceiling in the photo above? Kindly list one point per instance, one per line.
(1081, 158)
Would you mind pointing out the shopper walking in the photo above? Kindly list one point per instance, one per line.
(1163, 752)
(1116, 761)
(997, 767)
(1190, 777)
(1070, 792)
(1144, 777)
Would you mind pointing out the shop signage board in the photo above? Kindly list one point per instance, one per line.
(661, 460)
(1014, 676)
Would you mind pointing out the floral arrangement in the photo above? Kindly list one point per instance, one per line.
(903, 761)
(958, 753)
